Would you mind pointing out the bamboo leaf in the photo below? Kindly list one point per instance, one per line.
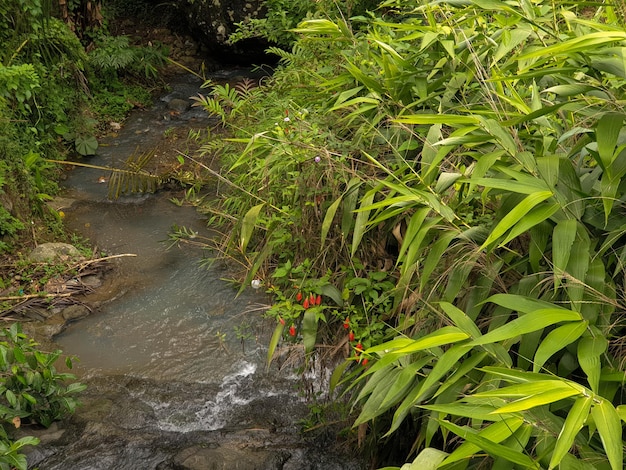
(609, 427)
(448, 119)
(527, 187)
(589, 351)
(496, 432)
(515, 215)
(415, 222)
(475, 411)
(361, 221)
(335, 377)
(309, 330)
(520, 303)
(607, 133)
(574, 422)
(533, 218)
(402, 383)
(576, 44)
(563, 238)
(489, 446)
(530, 388)
(445, 335)
(328, 219)
(527, 323)
(557, 340)
(427, 459)
(350, 200)
(247, 226)
(547, 397)
(433, 259)
(271, 348)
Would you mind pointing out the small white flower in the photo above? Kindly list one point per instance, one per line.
(256, 283)
(287, 119)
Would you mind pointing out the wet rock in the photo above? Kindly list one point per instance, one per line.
(74, 312)
(179, 105)
(54, 252)
(227, 458)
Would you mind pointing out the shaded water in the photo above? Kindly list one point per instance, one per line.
(175, 362)
(176, 319)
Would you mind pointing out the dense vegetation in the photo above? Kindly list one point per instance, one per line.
(438, 188)
(53, 97)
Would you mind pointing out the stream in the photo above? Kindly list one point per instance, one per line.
(174, 360)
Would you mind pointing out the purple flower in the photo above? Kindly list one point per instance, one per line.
(317, 159)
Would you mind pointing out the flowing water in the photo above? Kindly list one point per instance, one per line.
(175, 361)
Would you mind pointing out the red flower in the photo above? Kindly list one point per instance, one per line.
(351, 336)
(292, 330)
(318, 300)
(358, 349)
(299, 296)
(312, 299)
(364, 362)
(305, 304)
(281, 320)
(346, 323)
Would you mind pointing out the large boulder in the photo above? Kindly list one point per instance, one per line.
(211, 22)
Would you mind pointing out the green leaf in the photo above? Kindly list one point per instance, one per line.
(609, 427)
(278, 333)
(331, 291)
(412, 229)
(589, 351)
(557, 340)
(520, 303)
(496, 432)
(533, 218)
(445, 335)
(427, 459)
(607, 133)
(335, 377)
(401, 384)
(539, 399)
(247, 226)
(563, 238)
(361, 221)
(574, 422)
(489, 446)
(527, 323)
(447, 119)
(515, 215)
(579, 43)
(86, 145)
(328, 219)
(475, 411)
(309, 330)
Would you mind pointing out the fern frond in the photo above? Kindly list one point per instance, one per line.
(245, 86)
(134, 178)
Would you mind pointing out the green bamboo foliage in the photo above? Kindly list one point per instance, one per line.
(487, 140)
(521, 168)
